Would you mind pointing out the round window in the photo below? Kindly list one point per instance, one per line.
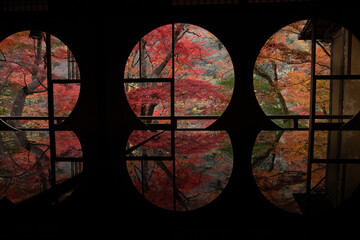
(39, 88)
(179, 79)
(306, 79)
(191, 59)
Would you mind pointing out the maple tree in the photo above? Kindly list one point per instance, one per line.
(204, 76)
(282, 87)
(282, 74)
(24, 93)
(203, 83)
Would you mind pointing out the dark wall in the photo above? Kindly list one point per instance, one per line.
(101, 36)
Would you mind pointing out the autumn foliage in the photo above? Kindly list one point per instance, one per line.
(203, 164)
(25, 155)
(203, 78)
(203, 75)
(282, 74)
(282, 87)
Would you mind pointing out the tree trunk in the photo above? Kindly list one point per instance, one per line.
(258, 161)
(170, 175)
(22, 93)
(272, 82)
(178, 34)
(19, 102)
(6, 79)
(142, 58)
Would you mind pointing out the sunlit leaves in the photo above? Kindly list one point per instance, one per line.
(24, 67)
(204, 76)
(200, 163)
(203, 165)
(279, 165)
(26, 168)
(282, 73)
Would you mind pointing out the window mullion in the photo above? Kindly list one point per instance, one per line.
(312, 107)
(172, 113)
(51, 110)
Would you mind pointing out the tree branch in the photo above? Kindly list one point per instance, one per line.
(2, 53)
(323, 48)
(178, 193)
(4, 82)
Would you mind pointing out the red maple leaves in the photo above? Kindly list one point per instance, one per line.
(25, 155)
(201, 166)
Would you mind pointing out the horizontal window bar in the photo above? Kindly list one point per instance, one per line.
(133, 80)
(337, 77)
(307, 116)
(293, 129)
(288, 116)
(339, 161)
(66, 81)
(179, 117)
(149, 158)
(197, 117)
(194, 129)
(68, 159)
(33, 129)
(30, 118)
(160, 126)
(327, 126)
(155, 117)
(333, 116)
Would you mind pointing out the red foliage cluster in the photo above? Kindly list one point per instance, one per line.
(24, 91)
(186, 90)
(199, 172)
(23, 63)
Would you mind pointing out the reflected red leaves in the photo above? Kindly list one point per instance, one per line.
(25, 169)
(67, 144)
(202, 163)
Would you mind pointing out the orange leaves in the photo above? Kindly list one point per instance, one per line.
(279, 165)
(284, 62)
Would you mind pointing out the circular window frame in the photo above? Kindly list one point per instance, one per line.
(53, 128)
(172, 127)
(315, 125)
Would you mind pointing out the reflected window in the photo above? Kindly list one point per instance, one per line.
(279, 166)
(40, 85)
(179, 79)
(306, 80)
(203, 164)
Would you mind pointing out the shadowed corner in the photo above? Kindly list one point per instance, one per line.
(6, 127)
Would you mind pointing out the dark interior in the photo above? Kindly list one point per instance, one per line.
(104, 203)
